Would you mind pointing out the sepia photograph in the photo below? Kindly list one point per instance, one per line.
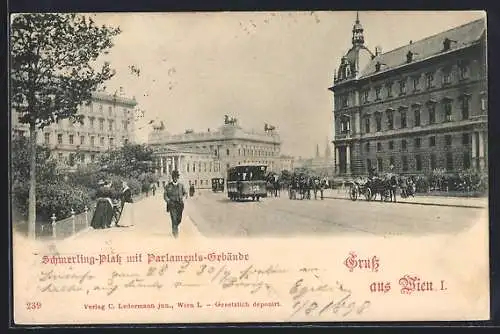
(249, 166)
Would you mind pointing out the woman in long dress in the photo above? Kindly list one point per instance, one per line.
(103, 214)
(127, 210)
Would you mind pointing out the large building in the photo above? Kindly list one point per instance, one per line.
(199, 156)
(419, 107)
(108, 122)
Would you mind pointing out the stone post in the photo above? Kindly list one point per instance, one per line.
(53, 224)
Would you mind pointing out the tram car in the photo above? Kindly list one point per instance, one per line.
(246, 182)
(218, 184)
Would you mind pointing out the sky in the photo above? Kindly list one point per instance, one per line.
(260, 67)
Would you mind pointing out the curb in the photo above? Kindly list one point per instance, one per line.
(421, 203)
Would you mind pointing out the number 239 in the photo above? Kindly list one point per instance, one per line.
(33, 306)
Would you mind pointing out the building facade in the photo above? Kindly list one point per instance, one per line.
(417, 108)
(203, 155)
(108, 122)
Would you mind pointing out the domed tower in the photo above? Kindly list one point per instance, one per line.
(358, 56)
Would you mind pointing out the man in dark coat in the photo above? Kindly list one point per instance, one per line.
(174, 195)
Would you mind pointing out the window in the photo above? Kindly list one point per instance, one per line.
(199, 166)
(432, 141)
(484, 104)
(344, 101)
(59, 139)
(447, 140)
(388, 86)
(379, 147)
(402, 87)
(466, 160)
(71, 139)
(239, 151)
(418, 162)
(91, 122)
(404, 144)
(404, 162)
(366, 94)
(390, 120)
(110, 110)
(47, 138)
(465, 139)
(449, 161)
(378, 120)
(465, 107)
(345, 127)
(100, 108)
(416, 81)
(416, 115)
(463, 70)
(446, 76)
(101, 124)
(187, 167)
(126, 141)
(110, 125)
(433, 161)
(447, 110)
(367, 147)
(367, 124)
(194, 167)
(377, 93)
(380, 166)
(112, 142)
(102, 141)
(417, 143)
(391, 145)
(205, 167)
(82, 140)
(429, 80)
(432, 113)
(227, 151)
(92, 141)
(403, 118)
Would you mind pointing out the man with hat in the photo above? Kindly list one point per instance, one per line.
(174, 195)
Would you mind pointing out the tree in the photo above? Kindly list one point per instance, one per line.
(128, 161)
(52, 73)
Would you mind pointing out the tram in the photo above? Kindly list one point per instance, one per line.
(246, 182)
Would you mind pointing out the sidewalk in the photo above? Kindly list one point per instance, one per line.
(150, 219)
(464, 202)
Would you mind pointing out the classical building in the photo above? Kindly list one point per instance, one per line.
(108, 122)
(199, 156)
(419, 107)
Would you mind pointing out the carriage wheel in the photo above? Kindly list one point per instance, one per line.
(368, 194)
(353, 193)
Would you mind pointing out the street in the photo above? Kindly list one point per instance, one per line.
(215, 216)
(209, 214)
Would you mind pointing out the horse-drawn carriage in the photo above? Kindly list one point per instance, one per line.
(371, 187)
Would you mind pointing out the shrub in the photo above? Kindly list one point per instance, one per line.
(52, 198)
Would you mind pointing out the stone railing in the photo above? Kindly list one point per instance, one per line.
(70, 226)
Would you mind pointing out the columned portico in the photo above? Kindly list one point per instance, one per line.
(348, 159)
(479, 149)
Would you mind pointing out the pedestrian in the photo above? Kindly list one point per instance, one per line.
(126, 210)
(103, 213)
(153, 188)
(174, 197)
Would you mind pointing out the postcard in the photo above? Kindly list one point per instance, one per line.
(229, 167)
